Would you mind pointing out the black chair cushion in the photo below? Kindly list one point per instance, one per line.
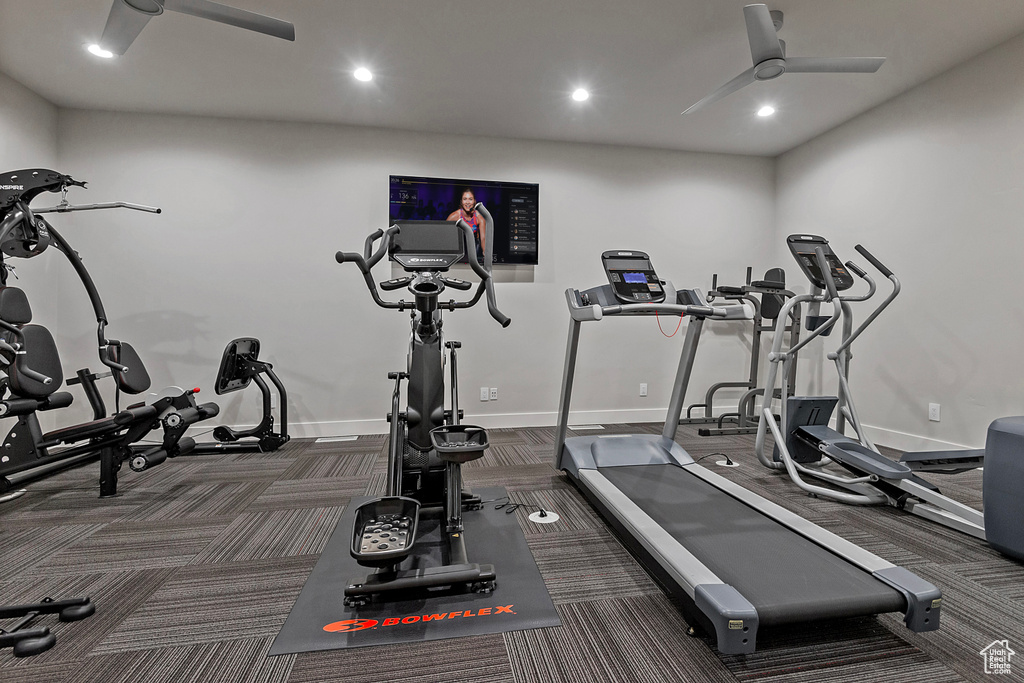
(40, 355)
(14, 306)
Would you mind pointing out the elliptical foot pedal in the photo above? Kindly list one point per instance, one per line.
(384, 530)
(459, 443)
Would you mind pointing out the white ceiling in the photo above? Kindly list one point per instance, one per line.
(506, 67)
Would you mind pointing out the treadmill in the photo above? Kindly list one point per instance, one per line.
(735, 561)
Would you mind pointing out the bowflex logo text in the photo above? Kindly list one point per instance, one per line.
(350, 625)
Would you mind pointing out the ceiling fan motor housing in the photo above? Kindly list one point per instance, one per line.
(150, 7)
(769, 69)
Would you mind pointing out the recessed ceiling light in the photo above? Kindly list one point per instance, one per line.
(362, 74)
(99, 51)
(580, 95)
(766, 110)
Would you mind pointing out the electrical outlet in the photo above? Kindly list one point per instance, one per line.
(494, 393)
(484, 394)
(643, 388)
(933, 412)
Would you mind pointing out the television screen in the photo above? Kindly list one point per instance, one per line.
(512, 205)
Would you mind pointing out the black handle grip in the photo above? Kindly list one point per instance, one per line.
(873, 261)
(397, 283)
(860, 272)
(457, 284)
(347, 257)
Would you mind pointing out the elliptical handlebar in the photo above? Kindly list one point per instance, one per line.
(484, 271)
(369, 258)
(896, 287)
(874, 261)
(826, 273)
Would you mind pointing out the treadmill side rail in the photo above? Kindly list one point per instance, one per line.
(924, 601)
(735, 619)
(687, 570)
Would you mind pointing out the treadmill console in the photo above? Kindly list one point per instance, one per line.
(632, 277)
(803, 247)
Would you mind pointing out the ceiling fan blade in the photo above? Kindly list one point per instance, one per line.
(833, 65)
(764, 42)
(123, 25)
(233, 16)
(745, 78)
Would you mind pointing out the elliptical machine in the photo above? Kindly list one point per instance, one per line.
(804, 441)
(428, 443)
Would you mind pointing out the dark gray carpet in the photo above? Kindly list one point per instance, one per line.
(196, 564)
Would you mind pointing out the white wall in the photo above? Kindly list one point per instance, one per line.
(254, 212)
(28, 139)
(931, 182)
(28, 127)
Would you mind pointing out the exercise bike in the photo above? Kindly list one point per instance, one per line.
(428, 443)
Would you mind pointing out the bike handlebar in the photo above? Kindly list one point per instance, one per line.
(368, 259)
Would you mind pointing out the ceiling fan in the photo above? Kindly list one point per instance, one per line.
(770, 61)
(128, 18)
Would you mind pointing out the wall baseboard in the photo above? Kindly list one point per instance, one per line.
(911, 442)
(306, 430)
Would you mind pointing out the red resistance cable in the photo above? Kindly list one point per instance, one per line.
(678, 325)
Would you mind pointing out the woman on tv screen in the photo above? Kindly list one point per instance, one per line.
(467, 212)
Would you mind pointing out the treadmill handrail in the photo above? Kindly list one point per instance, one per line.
(581, 311)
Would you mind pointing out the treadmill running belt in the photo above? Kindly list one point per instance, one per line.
(785, 576)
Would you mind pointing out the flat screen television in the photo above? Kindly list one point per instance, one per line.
(512, 205)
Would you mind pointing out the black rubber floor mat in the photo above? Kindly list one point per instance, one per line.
(321, 621)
